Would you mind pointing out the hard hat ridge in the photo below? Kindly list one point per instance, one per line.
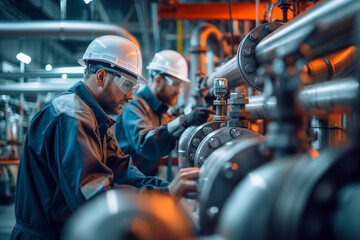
(117, 51)
(170, 62)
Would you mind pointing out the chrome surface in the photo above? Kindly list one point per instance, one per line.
(324, 28)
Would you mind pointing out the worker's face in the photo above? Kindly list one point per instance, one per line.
(113, 98)
(170, 88)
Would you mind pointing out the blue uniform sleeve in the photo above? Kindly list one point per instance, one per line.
(132, 176)
(148, 141)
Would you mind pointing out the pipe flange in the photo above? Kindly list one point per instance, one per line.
(193, 141)
(246, 53)
(222, 172)
(217, 139)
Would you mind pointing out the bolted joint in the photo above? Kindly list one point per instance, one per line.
(254, 36)
(195, 142)
(270, 28)
(207, 130)
(201, 160)
(236, 132)
(214, 142)
(250, 68)
(247, 52)
(192, 156)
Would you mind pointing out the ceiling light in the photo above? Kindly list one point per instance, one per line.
(23, 58)
(48, 67)
(64, 76)
(87, 1)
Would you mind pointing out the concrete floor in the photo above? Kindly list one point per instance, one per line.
(7, 220)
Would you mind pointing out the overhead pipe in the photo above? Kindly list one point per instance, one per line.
(71, 72)
(144, 29)
(33, 88)
(199, 38)
(317, 100)
(63, 30)
(323, 29)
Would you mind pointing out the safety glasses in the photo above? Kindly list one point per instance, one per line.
(172, 82)
(126, 85)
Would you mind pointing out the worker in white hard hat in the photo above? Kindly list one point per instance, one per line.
(70, 155)
(145, 129)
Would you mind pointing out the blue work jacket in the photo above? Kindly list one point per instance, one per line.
(142, 131)
(69, 156)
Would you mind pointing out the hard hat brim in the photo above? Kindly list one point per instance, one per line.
(186, 80)
(140, 79)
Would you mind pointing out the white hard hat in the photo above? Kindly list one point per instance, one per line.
(171, 63)
(119, 52)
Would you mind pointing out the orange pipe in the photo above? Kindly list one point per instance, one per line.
(217, 11)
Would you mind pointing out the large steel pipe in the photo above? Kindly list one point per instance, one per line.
(317, 99)
(323, 29)
(333, 66)
(329, 96)
(230, 71)
(63, 30)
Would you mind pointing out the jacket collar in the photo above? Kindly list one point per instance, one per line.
(101, 117)
(158, 107)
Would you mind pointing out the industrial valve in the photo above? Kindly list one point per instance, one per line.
(220, 90)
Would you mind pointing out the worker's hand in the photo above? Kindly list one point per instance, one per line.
(197, 117)
(183, 182)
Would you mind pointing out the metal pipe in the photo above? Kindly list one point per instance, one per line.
(329, 96)
(333, 66)
(260, 108)
(155, 26)
(102, 12)
(326, 132)
(62, 30)
(71, 72)
(257, 12)
(230, 71)
(144, 29)
(34, 88)
(323, 29)
(199, 38)
(63, 10)
(183, 147)
(316, 100)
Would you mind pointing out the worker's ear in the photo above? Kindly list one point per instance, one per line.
(100, 77)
